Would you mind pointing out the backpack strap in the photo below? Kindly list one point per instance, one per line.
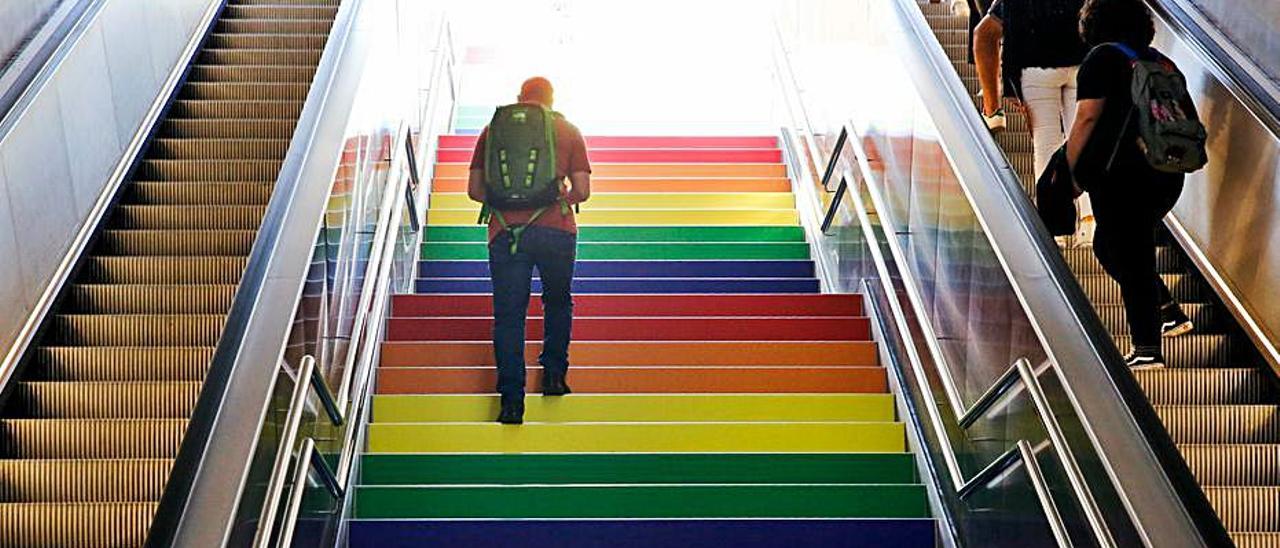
(518, 230)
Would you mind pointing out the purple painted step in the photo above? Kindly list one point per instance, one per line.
(639, 269)
(695, 533)
(637, 285)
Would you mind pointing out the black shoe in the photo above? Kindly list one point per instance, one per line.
(553, 384)
(1141, 361)
(1173, 321)
(512, 411)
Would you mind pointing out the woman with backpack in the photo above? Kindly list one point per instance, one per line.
(1132, 161)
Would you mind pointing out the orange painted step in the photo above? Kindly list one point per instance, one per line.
(588, 305)
(641, 353)
(634, 185)
(457, 170)
(683, 328)
(642, 380)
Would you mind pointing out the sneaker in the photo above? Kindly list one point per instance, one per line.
(1173, 321)
(1084, 232)
(512, 411)
(995, 122)
(1143, 361)
(553, 384)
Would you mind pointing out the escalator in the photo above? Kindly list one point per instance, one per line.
(94, 417)
(1217, 398)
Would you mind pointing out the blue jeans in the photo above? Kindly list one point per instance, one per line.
(552, 252)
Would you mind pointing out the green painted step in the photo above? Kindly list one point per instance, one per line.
(594, 251)
(636, 468)
(641, 234)
(636, 501)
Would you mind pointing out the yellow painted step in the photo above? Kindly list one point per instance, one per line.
(645, 217)
(746, 200)
(640, 408)
(638, 437)
(652, 171)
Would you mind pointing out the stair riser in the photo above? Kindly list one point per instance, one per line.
(645, 329)
(587, 354)
(639, 269)
(681, 380)
(585, 306)
(620, 251)
(639, 285)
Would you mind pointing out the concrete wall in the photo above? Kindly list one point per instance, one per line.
(59, 150)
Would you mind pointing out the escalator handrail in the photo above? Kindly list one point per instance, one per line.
(37, 61)
(190, 462)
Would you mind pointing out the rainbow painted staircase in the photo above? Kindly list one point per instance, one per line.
(719, 398)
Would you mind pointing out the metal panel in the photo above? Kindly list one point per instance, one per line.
(1251, 24)
(18, 21)
(165, 34)
(133, 88)
(85, 113)
(15, 302)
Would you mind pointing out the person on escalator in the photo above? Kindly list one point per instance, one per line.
(1109, 159)
(518, 170)
(1040, 55)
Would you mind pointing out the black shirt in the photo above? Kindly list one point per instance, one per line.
(1040, 33)
(1107, 73)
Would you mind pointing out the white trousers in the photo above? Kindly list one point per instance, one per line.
(1049, 95)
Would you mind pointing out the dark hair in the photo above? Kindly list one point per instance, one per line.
(1127, 21)
(537, 90)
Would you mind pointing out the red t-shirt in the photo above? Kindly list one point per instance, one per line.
(571, 157)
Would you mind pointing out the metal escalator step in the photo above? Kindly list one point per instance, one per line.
(237, 110)
(120, 363)
(1246, 509)
(964, 68)
(1205, 386)
(177, 193)
(957, 52)
(280, 11)
(1255, 540)
(245, 91)
(228, 129)
(75, 525)
(1233, 464)
(268, 41)
(299, 58)
(136, 329)
(947, 22)
(1083, 261)
(104, 400)
(151, 299)
(177, 243)
(285, 2)
(95, 480)
(211, 170)
(251, 73)
(936, 8)
(1101, 289)
(90, 439)
(274, 26)
(165, 270)
(1204, 316)
(1221, 423)
(187, 217)
(1202, 350)
(1014, 141)
(198, 149)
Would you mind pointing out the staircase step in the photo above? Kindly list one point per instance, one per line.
(199, 149)
(279, 11)
(649, 200)
(640, 408)
(647, 170)
(136, 329)
(251, 73)
(636, 285)
(178, 243)
(102, 480)
(1208, 319)
(1246, 509)
(1233, 464)
(245, 91)
(678, 501)
(187, 217)
(642, 141)
(120, 363)
(1206, 386)
(639, 269)
(90, 438)
(645, 217)
(164, 270)
(1198, 350)
(644, 533)
(781, 437)
(626, 380)
(737, 328)
(237, 110)
(1101, 289)
(103, 400)
(1083, 261)
(1194, 424)
(641, 353)
(306, 58)
(75, 524)
(151, 299)
(198, 194)
(585, 306)
(276, 26)
(650, 155)
(268, 41)
(648, 234)
(228, 129)
(209, 170)
(636, 468)
(671, 185)
(599, 251)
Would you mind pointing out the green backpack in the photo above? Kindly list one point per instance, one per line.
(1170, 134)
(520, 165)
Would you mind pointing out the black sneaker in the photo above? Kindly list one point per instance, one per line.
(553, 384)
(1173, 321)
(512, 411)
(1141, 361)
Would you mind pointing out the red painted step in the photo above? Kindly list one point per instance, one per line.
(652, 155)
(641, 353)
(646, 380)
(642, 305)
(655, 141)
(740, 328)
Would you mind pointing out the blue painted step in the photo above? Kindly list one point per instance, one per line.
(695, 533)
(639, 269)
(637, 285)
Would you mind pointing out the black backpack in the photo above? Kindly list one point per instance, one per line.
(1170, 133)
(520, 165)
